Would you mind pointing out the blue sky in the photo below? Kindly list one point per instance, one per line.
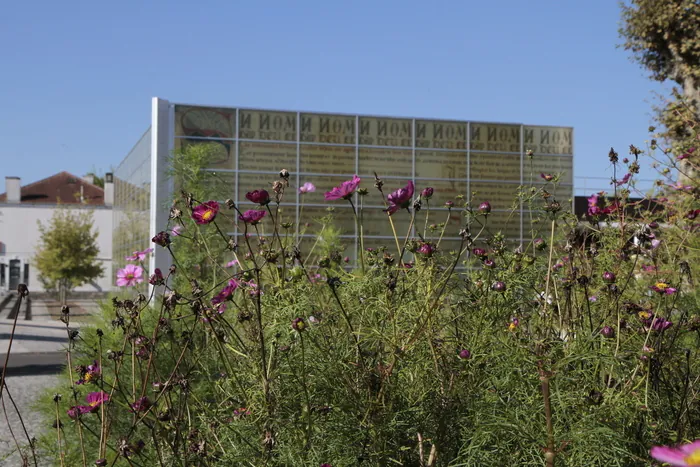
(77, 78)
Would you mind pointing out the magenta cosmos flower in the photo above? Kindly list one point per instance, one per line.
(205, 212)
(261, 197)
(141, 405)
(95, 400)
(252, 216)
(687, 455)
(307, 187)
(139, 255)
(344, 191)
(226, 292)
(130, 275)
(400, 199)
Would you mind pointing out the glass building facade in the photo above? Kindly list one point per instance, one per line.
(132, 196)
(474, 161)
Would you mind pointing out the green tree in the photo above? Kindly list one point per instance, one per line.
(67, 251)
(664, 38)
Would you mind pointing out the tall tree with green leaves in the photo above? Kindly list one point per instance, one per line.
(664, 38)
(67, 252)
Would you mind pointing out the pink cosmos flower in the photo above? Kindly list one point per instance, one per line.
(130, 275)
(261, 197)
(400, 199)
(139, 255)
(225, 293)
(307, 187)
(252, 216)
(141, 405)
(687, 455)
(624, 179)
(77, 410)
(232, 263)
(88, 374)
(344, 191)
(686, 154)
(96, 399)
(547, 177)
(426, 249)
(205, 212)
(157, 277)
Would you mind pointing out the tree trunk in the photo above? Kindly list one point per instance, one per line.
(62, 292)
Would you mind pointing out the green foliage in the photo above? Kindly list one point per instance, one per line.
(312, 362)
(664, 38)
(67, 252)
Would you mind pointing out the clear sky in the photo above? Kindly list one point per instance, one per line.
(77, 77)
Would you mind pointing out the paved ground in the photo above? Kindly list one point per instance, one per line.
(36, 357)
(25, 391)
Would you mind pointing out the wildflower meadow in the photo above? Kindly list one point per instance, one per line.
(266, 344)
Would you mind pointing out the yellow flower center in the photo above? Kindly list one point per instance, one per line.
(661, 285)
(693, 458)
(207, 214)
(512, 326)
(644, 314)
(88, 377)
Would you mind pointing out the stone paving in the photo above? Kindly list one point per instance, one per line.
(25, 391)
(33, 340)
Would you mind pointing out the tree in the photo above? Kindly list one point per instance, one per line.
(664, 38)
(67, 251)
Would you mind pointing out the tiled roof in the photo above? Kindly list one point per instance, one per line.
(61, 188)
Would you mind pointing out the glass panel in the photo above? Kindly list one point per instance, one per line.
(508, 223)
(549, 140)
(386, 162)
(553, 165)
(441, 134)
(494, 137)
(220, 185)
(223, 154)
(443, 190)
(386, 132)
(313, 250)
(326, 128)
(376, 222)
(500, 195)
(205, 122)
(388, 243)
(264, 125)
(563, 194)
(494, 167)
(441, 164)
(342, 219)
(432, 228)
(267, 156)
(255, 181)
(327, 159)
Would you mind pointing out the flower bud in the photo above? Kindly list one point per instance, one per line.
(498, 286)
(465, 354)
(609, 277)
(607, 332)
(485, 207)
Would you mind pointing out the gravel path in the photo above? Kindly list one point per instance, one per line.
(25, 390)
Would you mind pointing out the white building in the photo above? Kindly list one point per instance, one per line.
(21, 207)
